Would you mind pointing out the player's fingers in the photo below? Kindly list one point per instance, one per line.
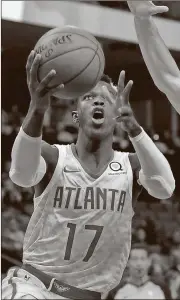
(121, 80)
(107, 94)
(126, 92)
(34, 70)
(123, 113)
(29, 64)
(57, 88)
(123, 119)
(43, 86)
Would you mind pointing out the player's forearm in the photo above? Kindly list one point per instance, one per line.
(26, 152)
(33, 122)
(155, 175)
(160, 63)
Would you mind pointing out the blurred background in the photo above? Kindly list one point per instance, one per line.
(23, 22)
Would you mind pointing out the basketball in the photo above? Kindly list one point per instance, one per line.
(76, 56)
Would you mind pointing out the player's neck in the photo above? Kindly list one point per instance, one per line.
(139, 280)
(99, 151)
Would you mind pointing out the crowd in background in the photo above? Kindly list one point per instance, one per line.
(155, 223)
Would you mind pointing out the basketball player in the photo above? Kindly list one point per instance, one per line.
(160, 63)
(139, 285)
(78, 239)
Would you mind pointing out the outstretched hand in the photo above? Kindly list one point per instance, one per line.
(125, 116)
(39, 91)
(145, 8)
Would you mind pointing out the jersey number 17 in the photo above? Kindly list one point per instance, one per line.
(72, 229)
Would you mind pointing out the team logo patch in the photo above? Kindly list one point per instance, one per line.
(61, 288)
(66, 170)
(116, 166)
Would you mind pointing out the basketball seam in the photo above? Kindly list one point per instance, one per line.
(69, 33)
(99, 67)
(82, 70)
(66, 53)
(95, 52)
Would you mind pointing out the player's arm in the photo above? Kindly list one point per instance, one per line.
(28, 166)
(155, 174)
(160, 63)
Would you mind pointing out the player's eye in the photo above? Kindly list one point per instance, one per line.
(88, 97)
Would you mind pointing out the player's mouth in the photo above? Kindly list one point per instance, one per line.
(139, 270)
(98, 116)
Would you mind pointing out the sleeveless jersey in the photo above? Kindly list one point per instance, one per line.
(80, 230)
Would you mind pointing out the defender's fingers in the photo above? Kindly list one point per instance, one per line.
(159, 10)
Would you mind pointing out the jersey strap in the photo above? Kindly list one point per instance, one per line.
(60, 163)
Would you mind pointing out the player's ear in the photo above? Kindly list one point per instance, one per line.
(75, 116)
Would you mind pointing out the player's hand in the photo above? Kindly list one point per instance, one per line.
(125, 116)
(145, 9)
(39, 91)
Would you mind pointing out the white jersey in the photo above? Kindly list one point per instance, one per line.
(148, 290)
(80, 230)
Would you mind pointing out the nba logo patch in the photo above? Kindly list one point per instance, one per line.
(115, 166)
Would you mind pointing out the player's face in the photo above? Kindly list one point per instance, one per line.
(96, 113)
(139, 263)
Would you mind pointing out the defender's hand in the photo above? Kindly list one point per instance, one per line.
(40, 93)
(125, 116)
(145, 9)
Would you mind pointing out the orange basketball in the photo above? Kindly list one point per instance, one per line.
(76, 56)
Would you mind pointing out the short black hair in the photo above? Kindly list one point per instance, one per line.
(141, 246)
(106, 78)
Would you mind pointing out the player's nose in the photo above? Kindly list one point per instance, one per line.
(98, 102)
(139, 265)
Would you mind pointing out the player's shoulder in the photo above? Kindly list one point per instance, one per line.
(156, 285)
(123, 283)
(133, 160)
(121, 287)
(156, 281)
(160, 286)
(123, 290)
(51, 153)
